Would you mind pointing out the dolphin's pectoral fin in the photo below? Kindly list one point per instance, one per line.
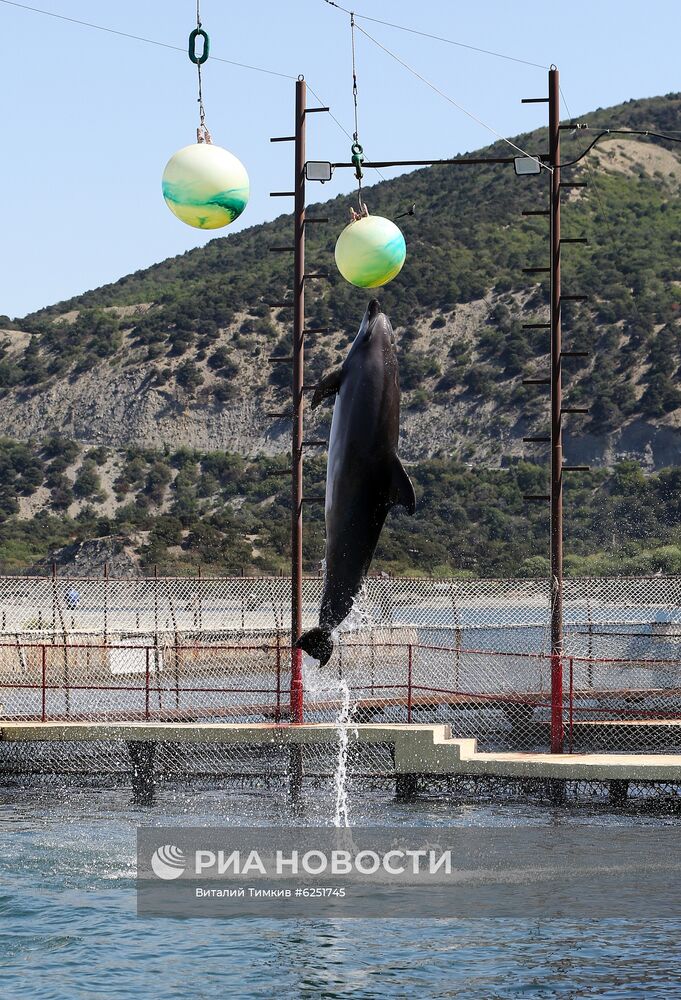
(328, 386)
(401, 492)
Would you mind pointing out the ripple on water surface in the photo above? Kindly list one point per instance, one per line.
(69, 928)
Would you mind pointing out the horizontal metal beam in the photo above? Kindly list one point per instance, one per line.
(283, 138)
(536, 326)
(576, 468)
(575, 354)
(537, 440)
(461, 161)
(534, 100)
(536, 381)
(313, 111)
(574, 298)
(282, 194)
(574, 239)
(285, 413)
(575, 409)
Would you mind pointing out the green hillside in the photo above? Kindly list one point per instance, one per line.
(187, 338)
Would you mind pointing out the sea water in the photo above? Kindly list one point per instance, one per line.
(69, 929)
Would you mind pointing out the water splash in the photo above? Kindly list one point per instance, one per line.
(316, 681)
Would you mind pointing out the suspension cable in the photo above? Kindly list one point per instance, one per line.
(202, 132)
(357, 153)
(451, 100)
(438, 38)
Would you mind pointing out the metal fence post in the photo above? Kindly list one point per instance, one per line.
(409, 688)
(43, 710)
(146, 684)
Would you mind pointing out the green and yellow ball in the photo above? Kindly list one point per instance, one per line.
(370, 252)
(205, 186)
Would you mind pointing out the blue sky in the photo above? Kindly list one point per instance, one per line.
(89, 119)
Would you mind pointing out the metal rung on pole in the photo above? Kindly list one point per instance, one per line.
(574, 239)
(575, 354)
(534, 100)
(537, 440)
(575, 409)
(283, 138)
(282, 249)
(282, 194)
(536, 326)
(535, 211)
(536, 381)
(537, 496)
(574, 298)
(576, 468)
(276, 360)
(536, 270)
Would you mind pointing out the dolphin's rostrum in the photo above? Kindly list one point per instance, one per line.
(364, 478)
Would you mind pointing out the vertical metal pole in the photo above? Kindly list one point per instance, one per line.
(556, 426)
(43, 709)
(409, 691)
(297, 423)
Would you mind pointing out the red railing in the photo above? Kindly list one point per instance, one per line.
(414, 679)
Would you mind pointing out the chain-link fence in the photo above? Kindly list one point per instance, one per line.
(475, 653)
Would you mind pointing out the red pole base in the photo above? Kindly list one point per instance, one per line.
(556, 704)
(296, 685)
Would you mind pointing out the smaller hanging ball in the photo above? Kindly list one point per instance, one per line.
(370, 252)
(205, 186)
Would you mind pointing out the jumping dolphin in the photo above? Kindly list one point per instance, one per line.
(364, 476)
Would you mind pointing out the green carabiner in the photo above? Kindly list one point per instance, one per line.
(357, 159)
(199, 33)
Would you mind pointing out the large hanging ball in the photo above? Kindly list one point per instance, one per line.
(205, 186)
(370, 252)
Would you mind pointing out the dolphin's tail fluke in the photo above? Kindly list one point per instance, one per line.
(317, 642)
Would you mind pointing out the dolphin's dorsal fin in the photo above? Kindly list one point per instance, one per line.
(401, 492)
(328, 386)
